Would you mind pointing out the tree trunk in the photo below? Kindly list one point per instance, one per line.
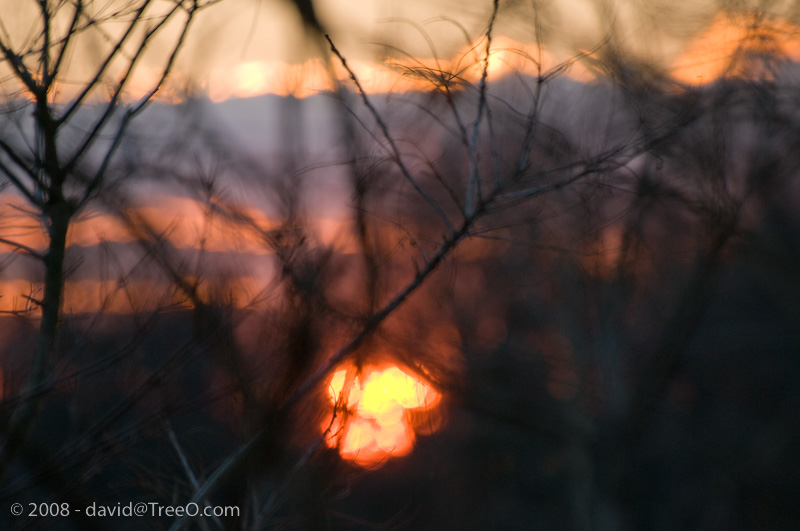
(58, 213)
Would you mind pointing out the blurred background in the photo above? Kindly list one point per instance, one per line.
(401, 265)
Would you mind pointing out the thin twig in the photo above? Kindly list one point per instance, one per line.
(29, 250)
(395, 152)
(472, 152)
(187, 468)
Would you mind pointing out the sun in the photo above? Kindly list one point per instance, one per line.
(377, 413)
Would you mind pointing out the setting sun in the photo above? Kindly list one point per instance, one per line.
(377, 413)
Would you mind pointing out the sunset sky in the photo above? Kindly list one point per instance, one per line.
(265, 38)
(241, 48)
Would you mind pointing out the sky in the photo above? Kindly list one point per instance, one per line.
(247, 47)
(368, 30)
(240, 48)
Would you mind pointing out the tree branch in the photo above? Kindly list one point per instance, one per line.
(472, 150)
(29, 250)
(395, 153)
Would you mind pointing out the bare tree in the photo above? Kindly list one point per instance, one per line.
(66, 114)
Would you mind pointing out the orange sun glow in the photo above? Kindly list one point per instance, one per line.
(378, 413)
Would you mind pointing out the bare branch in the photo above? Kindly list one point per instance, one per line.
(130, 113)
(19, 185)
(398, 159)
(472, 150)
(50, 75)
(29, 250)
(44, 55)
(188, 470)
(92, 83)
(111, 106)
(19, 68)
